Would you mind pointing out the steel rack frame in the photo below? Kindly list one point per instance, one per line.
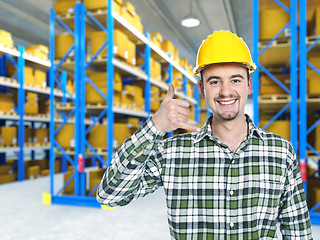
(19, 63)
(293, 68)
(303, 104)
(81, 17)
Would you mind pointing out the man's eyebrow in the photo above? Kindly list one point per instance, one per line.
(212, 77)
(237, 76)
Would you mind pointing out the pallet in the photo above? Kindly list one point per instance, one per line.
(276, 43)
(97, 105)
(38, 115)
(8, 145)
(63, 106)
(310, 154)
(8, 80)
(311, 39)
(271, 99)
(9, 47)
(9, 113)
(36, 56)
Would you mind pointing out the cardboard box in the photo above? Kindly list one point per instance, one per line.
(317, 138)
(65, 137)
(98, 4)
(6, 178)
(121, 133)
(41, 135)
(29, 76)
(95, 177)
(270, 87)
(136, 22)
(271, 21)
(9, 136)
(120, 47)
(62, 43)
(39, 51)
(279, 127)
(64, 6)
(6, 39)
(168, 47)
(126, 15)
(7, 102)
(315, 22)
(156, 38)
(97, 137)
(131, 50)
(97, 38)
(40, 78)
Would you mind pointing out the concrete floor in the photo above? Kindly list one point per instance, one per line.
(23, 216)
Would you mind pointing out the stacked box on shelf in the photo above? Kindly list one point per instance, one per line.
(27, 134)
(62, 43)
(65, 137)
(279, 127)
(6, 173)
(128, 11)
(100, 79)
(317, 138)
(40, 78)
(7, 102)
(177, 81)
(313, 79)
(315, 22)
(6, 39)
(44, 106)
(40, 135)
(39, 51)
(64, 6)
(98, 4)
(168, 47)
(138, 97)
(270, 87)
(8, 135)
(271, 21)
(95, 177)
(127, 96)
(156, 38)
(31, 103)
(154, 97)
(97, 137)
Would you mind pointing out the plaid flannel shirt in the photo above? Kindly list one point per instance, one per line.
(211, 192)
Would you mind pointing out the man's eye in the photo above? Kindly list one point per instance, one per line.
(236, 80)
(214, 82)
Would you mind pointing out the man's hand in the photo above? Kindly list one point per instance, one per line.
(173, 114)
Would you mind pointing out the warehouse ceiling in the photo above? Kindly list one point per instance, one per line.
(28, 20)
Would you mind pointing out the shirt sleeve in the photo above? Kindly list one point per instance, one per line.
(294, 215)
(133, 174)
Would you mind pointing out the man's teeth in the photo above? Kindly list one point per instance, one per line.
(228, 102)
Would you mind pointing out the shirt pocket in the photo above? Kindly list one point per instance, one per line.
(267, 198)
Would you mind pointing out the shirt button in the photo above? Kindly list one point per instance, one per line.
(231, 192)
(231, 224)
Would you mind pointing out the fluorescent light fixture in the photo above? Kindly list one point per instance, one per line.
(190, 20)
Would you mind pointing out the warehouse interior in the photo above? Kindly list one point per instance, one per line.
(52, 152)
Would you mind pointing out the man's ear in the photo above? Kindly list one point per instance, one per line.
(250, 86)
(201, 88)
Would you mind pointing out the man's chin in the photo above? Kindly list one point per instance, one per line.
(228, 116)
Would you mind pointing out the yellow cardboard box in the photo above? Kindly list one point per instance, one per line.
(40, 78)
(168, 47)
(7, 103)
(65, 137)
(9, 135)
(62, 43)
(279, 127)
(39, 51)
(64, 6)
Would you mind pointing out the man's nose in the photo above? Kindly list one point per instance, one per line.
(225, 90)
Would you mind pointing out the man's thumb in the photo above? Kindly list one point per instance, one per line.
(170, 92)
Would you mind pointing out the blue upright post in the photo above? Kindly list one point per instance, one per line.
(197, 106)
(147, 89)
(77, 135)
(303, 91)
(170, 72)
(21, 63)
(82, 114)
(51, 81)
(110, 77)
(293, 75)
(255, 51)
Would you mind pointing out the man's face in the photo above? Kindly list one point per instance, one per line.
(225, 88)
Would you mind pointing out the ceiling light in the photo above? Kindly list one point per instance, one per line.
(190, 20)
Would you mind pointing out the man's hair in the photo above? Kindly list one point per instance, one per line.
(201, 74)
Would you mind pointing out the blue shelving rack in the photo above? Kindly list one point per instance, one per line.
(81, 63)
(18, 59)
(304, 145)
(292, 11)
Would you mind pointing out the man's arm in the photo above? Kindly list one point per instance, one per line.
(135, 168)
(294, 215)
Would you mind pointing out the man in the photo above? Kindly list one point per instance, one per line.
(228, 180)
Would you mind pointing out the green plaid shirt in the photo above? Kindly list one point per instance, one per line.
(211, 192)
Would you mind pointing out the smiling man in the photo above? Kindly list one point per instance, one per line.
(227, 180)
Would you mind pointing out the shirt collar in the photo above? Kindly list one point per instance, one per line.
(206, 130)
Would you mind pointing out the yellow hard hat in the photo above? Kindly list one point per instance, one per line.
(223, 47)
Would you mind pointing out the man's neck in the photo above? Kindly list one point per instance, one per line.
(230, 132)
